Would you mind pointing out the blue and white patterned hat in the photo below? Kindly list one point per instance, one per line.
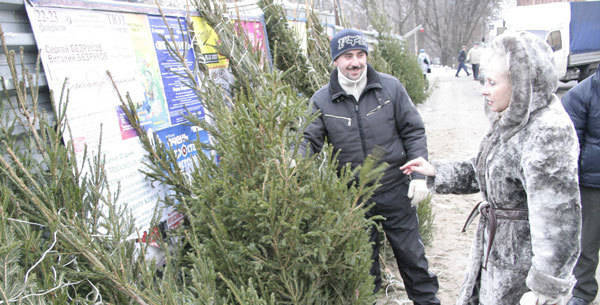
(346, 40)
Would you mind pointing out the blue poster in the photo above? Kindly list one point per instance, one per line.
(181, 99)
(181, 140)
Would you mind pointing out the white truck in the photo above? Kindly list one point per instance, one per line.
(572, 29)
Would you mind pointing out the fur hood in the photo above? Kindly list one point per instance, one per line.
(533, 78)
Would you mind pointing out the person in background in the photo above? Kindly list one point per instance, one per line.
(462, 56)
(360, 111)
(424, 62)
(527, 240)
(582, 103)
(474, 57)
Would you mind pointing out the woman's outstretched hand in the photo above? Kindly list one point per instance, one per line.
(419, 165)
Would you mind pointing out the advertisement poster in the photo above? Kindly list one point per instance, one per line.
(206, 38)
(181, 139)
(255, 29)
(79, 46)
(180, 96)
(146, 91)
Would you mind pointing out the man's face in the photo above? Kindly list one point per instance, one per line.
(352, 63)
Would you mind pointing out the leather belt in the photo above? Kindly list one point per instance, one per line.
(492, 214)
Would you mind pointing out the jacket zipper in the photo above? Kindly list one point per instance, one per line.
(340, 117)
(360, 130)
(377, 108)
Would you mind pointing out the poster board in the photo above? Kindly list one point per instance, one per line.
(206, 39)
(78, 42)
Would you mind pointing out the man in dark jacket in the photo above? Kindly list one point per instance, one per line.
(462, 56)
(582, 103)
(362, 110)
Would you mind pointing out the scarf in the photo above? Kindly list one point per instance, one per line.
(353, 87)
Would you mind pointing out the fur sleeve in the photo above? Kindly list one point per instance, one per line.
(549, 166)
(454, 178)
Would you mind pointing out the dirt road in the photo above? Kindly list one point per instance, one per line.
(455, 123)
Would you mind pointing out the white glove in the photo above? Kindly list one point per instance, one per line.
(418, 191)
(292, 162)
(532, 298)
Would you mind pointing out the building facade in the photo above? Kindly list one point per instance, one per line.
(533, 2)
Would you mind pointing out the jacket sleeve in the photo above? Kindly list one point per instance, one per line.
(577, 102)
(456, 177)
(314, 134)
(410, 127)
(549, 169)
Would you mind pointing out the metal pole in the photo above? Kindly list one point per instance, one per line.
(416, 47)
(413, 32)
(337, 14)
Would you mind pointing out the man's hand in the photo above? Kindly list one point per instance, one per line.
(532, 298)
(417, 191)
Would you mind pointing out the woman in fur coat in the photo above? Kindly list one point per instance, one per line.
(527, 240)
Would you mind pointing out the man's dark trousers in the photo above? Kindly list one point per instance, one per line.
(402, 231)
(462, 66)
(585, 270)
(475, 68)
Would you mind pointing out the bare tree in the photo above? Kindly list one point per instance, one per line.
(403, 14)
(400, 13)
(449, 24)
(357, 12)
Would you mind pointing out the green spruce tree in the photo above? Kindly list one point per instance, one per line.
(278, 227)
(318, 48)
(63, 240)
(259, 229)
(305, 72)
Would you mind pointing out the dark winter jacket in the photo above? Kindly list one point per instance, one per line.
(462, 56)
(526, 169)
(384, 118)
(583, 106)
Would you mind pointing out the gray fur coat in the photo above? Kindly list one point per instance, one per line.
(527, 161)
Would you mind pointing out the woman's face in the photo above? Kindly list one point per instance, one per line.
(497, 90)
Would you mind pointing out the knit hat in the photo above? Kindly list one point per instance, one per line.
(346, 40)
